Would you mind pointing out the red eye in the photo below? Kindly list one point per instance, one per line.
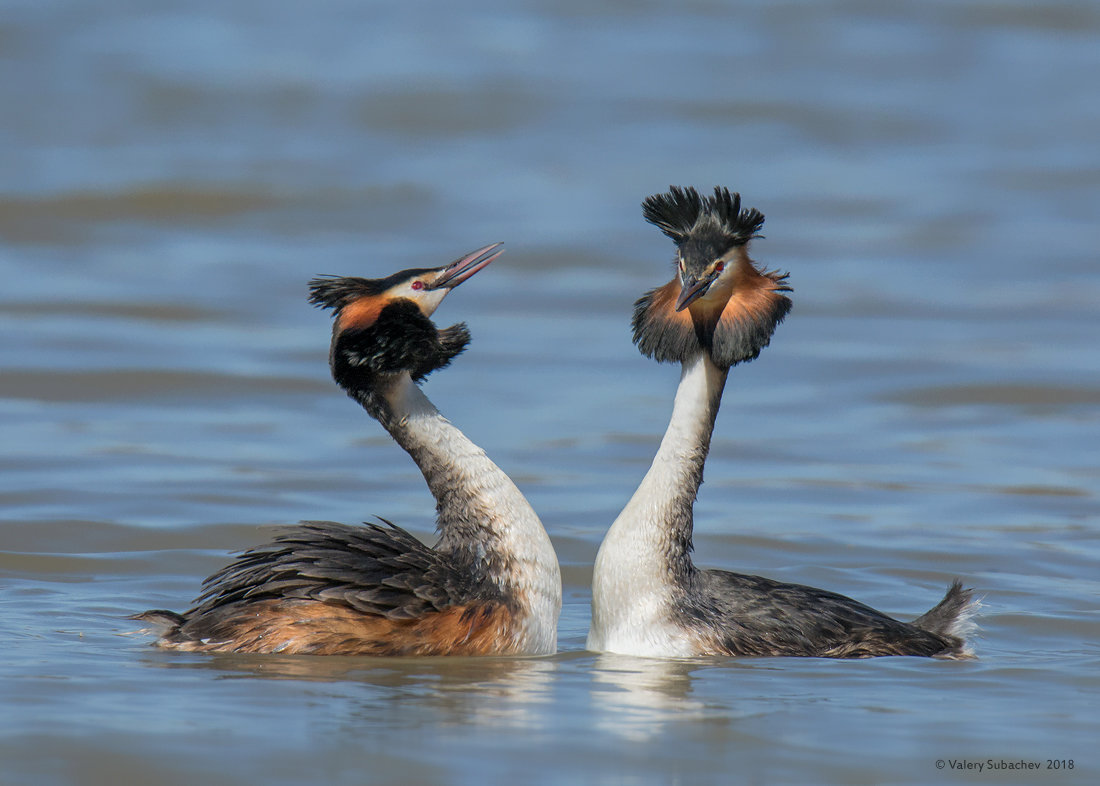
(719, 267)
(418, 285)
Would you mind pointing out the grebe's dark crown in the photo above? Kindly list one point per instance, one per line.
(681, 211)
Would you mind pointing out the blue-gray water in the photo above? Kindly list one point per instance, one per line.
(171, 174)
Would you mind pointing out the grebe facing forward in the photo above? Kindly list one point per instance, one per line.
(648, 598)
(491, 585)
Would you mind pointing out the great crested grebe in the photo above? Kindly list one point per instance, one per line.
(648, 598)
(491, 585)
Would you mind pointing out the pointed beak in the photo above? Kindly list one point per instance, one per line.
(464, 267)
(692, 288)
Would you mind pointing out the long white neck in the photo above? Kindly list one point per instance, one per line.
(483, 516)
(645, 559)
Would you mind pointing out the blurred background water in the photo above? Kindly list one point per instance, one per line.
(171, 175)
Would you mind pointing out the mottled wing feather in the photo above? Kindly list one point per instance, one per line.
(373, 569)
(753, 615)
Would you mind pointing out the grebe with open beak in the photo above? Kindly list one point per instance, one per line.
(490, 585)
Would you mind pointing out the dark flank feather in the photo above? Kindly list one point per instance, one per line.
(752, 615)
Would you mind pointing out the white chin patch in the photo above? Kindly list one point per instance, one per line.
(427, 299)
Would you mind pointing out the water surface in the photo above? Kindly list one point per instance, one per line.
(173, 175)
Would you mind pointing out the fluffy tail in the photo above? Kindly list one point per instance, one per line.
(953, 619)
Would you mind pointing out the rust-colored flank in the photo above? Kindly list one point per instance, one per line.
(306, 627)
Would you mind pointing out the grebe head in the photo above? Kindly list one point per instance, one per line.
(383, 326)
(426, 287)
(718, 302)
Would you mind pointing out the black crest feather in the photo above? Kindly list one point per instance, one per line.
(335, 292)
(681, 210)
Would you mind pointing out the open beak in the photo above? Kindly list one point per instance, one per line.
(692, 288)
(462, 268)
